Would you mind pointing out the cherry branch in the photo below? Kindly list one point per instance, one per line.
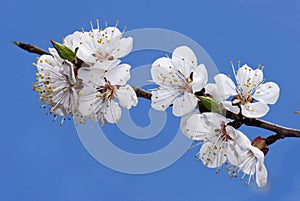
(280, 131)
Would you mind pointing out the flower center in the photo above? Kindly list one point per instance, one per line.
(241, 99)
(185, 82)
(107, 91)
(224, 136)
(103, 56)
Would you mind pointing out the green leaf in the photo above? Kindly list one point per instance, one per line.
(64, 52)
(210, 104)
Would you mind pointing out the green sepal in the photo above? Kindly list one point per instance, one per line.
(211, 104)
(64, 52)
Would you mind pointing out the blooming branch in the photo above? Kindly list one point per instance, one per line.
(280, 131)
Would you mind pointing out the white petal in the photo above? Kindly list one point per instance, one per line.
(184, 104)
(234, 153)
(237, 147)
(112, 112)
(267, 93)
(85, 43)
(214, 119)
(123, 48)
(68, 70)
(111, 33)
(196, 127)
(54, 53)
(202, 126)
(87, 100)
(106, 65)
(261, 174)
(213, 90)
(241, 139)
(163, 72)
(127, 96)
(225, 84)
(200, 78)
(211, 157)
(162, 98)
(228, 106)
(232, 132)
(53, 65)
(118, 75)
(186, 54)
(184, 60)
(183, 123)
(248, 78)
(255, 110)
(91, 75)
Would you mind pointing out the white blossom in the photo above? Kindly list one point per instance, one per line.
(249, 87)
(178, 78)
(57, 84)
(99, 45)
(101, 90)
(250, 161)
(217, 137)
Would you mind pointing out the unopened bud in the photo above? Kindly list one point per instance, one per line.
(261, 144)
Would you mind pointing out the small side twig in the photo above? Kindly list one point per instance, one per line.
(31, 48)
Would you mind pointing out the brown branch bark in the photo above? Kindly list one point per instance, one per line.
(280, 131)
(142, 93)
(31, 48)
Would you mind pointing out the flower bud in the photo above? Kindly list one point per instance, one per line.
(261, 144)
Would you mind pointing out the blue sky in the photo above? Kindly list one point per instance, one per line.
(43, 161)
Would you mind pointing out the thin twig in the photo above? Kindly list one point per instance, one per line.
(142, 93)
(30, 48)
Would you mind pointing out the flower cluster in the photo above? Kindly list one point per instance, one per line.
(84, 78)
(95, 86)
(181, 83)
